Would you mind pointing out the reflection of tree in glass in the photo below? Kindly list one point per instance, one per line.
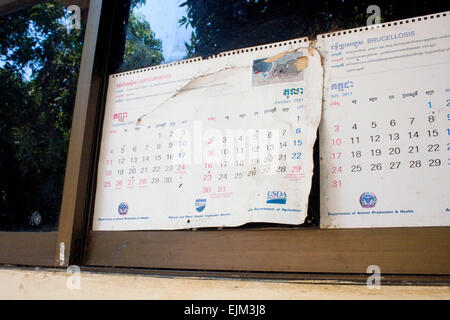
(142, 49)
(39, 64)
(226, 25)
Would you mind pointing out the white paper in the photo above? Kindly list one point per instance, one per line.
(164, 126)
(384, 135)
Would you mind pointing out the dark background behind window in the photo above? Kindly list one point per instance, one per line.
(221, 25)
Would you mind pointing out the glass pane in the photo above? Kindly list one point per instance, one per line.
(40, 53)
(162, 31)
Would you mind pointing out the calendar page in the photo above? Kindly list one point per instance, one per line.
(212, 142)
(384, 135)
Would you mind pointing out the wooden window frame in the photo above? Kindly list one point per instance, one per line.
(400, 251)
(265, 253)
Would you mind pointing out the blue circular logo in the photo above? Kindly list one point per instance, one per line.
(368, 200)
(123, 208)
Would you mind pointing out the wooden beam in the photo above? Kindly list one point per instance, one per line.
(27, 248)
(71, 221)
(394, 250)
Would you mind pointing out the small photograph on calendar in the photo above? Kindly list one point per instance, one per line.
(283, 67)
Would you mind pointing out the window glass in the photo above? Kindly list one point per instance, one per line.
(40, 53)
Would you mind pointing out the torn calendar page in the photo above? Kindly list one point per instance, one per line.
(384, 137)
(211, 143)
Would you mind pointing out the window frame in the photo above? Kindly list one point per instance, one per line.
(399, 251)
(264, 253)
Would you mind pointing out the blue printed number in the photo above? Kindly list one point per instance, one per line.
(296, 155)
